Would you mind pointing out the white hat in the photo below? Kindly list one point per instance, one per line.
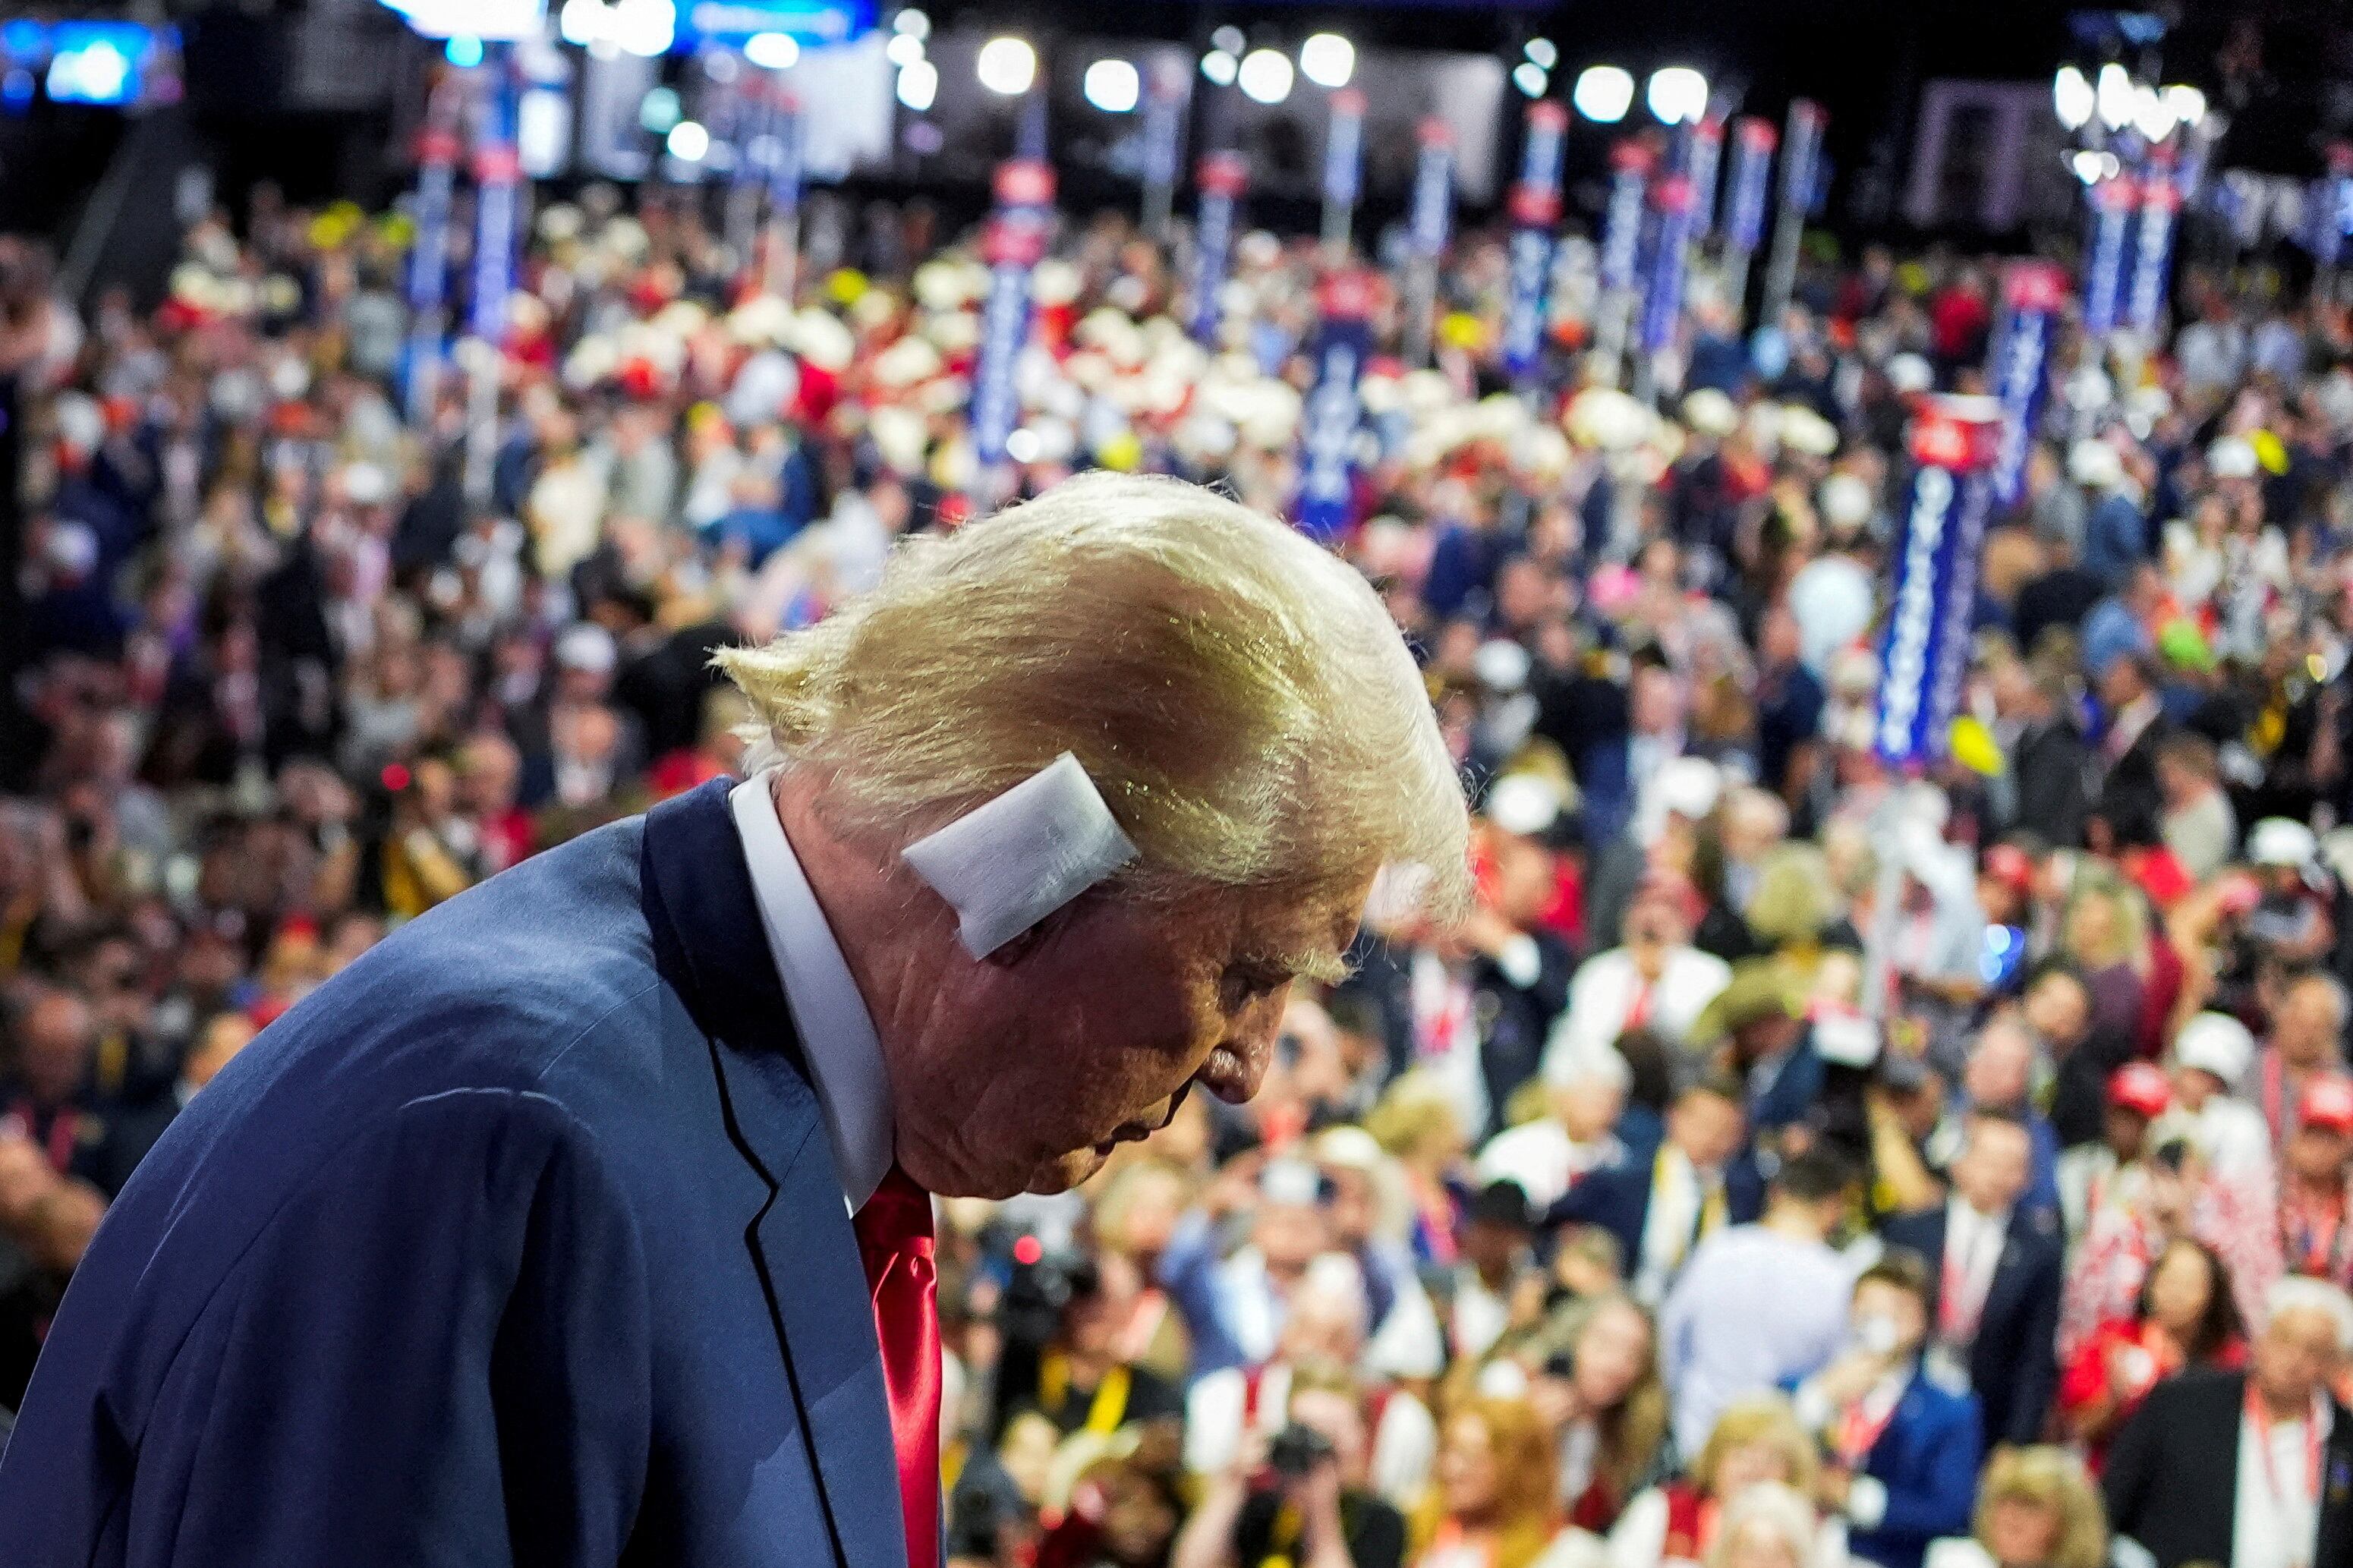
(2094, 465)
(1710, 413)
(1502, 665)
(2279, 841)
(1803, 430)
(2232, 458)
(367, 484)
(586, 645)
(1523, 804)
(1605, 417)
(1688, 786)
(1290, 1182)
(1909, 373)
(2215, 1043)
(1845, 500)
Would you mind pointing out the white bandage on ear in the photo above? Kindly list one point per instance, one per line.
(1009, 862)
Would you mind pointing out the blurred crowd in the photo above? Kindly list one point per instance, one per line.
(1792, 1162)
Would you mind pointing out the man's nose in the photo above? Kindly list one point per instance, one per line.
(1235, 1073)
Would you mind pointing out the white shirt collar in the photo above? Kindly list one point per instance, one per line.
(837, 1039)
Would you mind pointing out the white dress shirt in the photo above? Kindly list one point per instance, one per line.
(837, 1039)
(1973, 1244)
(2277, 1522)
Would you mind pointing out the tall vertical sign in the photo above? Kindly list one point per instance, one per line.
(1166, 86)
(1535, 208)
(437, 147)
(1753, 141)
(1012, 246)
(1677, 198)
(1334, 408)
(1223, 177)
(1429, 221)
(2161, 209)
(1344, 167)
(1801, 152)
(1925, 647)
(2113, 203)
(2033, 293)
(1620, 262)
(498, 199)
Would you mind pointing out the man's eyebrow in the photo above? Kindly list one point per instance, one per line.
(1320, 963)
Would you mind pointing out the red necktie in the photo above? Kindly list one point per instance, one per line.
(894, 1238)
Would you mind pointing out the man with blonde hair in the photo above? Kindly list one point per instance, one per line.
(587, 1218)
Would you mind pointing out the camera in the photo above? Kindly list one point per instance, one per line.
(1296, 1450)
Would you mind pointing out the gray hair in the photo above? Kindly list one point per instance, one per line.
(1239, 694)
(2299, 1294)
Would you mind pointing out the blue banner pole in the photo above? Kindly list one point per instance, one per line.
(1334, 408)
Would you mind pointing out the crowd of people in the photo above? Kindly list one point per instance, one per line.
(1791, 1161)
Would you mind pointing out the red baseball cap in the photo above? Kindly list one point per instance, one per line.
(2328, 1104)
(2141, 1087)
(2009, 864)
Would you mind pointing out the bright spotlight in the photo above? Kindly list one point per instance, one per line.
(1218, 66)
(1112, 86)
(1541, 52)
(645, 28)
(461, 51)
(903, 49)
(2153, 116)
(2187, 103)
(2115, 97)
(912, 23)
(1230, 39)
(1530, 79)
(1023, 445)
(1328, 59)
(1676, 94)
(772, 51)
(2071, 98)
(1603, 93)
(581, 21)
(918, 84)
(1265, 76)
(2086, 164)
(1008, 66)
(688, 141)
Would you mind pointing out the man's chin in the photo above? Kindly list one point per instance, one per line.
(1061, 1175)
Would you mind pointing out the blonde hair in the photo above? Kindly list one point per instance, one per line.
(1416, 1110)
(1238, 695)
(2049, 1478)
(1762, 1419)
(1778, 1508)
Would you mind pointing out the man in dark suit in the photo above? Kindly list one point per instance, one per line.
(1996, 1271)
(2254, 1468)
(584, 1220)
(1659, 1202)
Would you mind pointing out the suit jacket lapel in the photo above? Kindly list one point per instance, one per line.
(710, 946)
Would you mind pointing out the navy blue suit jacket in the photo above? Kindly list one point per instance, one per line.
(1927, 1459)
(1617, 1197)
(2014, 1362)
(520, 1241)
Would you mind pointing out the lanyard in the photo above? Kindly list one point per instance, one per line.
(2314, 1250)
(1859, 1430)
(2261, 1425)
(1105, 1411)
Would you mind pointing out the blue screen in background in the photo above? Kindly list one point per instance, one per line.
(88, 62)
